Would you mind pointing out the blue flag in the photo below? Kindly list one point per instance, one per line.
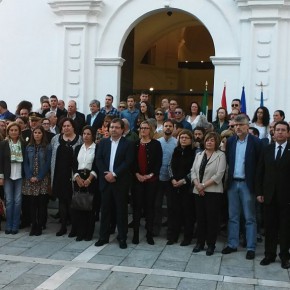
(262, 100)
(243, 102)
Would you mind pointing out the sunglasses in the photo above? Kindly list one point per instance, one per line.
(235, 105)
(177, 113)
(122, 107)
(159, 114)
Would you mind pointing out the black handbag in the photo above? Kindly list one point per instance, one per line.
(82, 200)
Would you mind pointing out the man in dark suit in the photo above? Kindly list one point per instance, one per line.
(78, 117)
(96, 118)
(273, 188)
(114, 159)
(242, 151)
(53, 101)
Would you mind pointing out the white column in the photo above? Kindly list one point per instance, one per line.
(108, 78)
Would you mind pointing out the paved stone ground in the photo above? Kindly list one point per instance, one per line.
(50, 262)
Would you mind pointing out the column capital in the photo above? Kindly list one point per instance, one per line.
(79, 12)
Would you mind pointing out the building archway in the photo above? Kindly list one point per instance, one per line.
(224, 34)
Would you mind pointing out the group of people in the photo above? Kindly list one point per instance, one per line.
(230, 170)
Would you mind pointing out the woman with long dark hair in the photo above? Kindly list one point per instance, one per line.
(194, 115)
(37, 166)
(143, 115)
(85, 180)
(63, 146)
(261, 121)
(221, 121)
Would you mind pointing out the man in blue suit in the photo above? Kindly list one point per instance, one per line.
(114, 160)
(242, 151)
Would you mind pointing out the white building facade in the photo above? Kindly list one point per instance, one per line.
(73, 48)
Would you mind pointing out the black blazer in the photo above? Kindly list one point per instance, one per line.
(272, 176)
(98, 122)
(5, 158)
(122, 163)
(80, 122)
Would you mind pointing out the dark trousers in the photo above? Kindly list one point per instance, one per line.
(181, 212)
(163, 190)
(38, 209)
(114, 193)
(207, 217)
(277, 225)
(144, 197)
(64, 212)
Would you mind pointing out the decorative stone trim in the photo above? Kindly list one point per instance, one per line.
(77, 11)
(109, 61)
(225, 60)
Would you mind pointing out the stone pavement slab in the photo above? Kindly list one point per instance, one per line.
(159, 281)
(141, 258)
(195, 284)
(200, 263)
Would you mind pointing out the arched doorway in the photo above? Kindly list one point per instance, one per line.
(224, 34)
(168, 52)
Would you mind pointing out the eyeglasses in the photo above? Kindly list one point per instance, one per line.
(178, 112)
(173, 104)
(184, 137)
(45, 124)
(144, 128)
(122, 107)
(159, 114)
(232, 126)
(235, 105)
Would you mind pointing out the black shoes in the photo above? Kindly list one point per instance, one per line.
(122, 244)
(78, 239)
(250, 255)
(285, 264)
(170, 242)
(185, 242)
(150, 240)
(210, 250)
(61, 232)
(135, 239)
(267, 261)
(72, 234)
(14, 232)
(7, 232)
(228, 250)
(100, 243)
(198, 248)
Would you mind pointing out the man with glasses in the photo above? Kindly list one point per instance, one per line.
(179, 117)
(114, 159)
(242, 152)
(131, 113)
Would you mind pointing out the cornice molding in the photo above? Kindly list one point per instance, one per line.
(225, 60)
(77, 11)
(109, 61)
(259, 3)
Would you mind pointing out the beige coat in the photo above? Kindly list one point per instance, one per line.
(215, 170)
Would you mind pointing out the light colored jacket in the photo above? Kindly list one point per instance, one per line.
(215, 170)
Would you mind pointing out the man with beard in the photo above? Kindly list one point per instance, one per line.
(198, 136)
(168, 143)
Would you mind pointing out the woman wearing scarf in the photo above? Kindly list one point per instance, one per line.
(11, 173)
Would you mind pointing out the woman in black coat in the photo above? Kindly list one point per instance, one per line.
(180, 199)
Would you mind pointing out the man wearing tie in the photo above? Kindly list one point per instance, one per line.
(114, 160)
(273, 190)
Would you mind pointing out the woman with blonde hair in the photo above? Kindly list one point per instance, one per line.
(148, 160)
(12, 153)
